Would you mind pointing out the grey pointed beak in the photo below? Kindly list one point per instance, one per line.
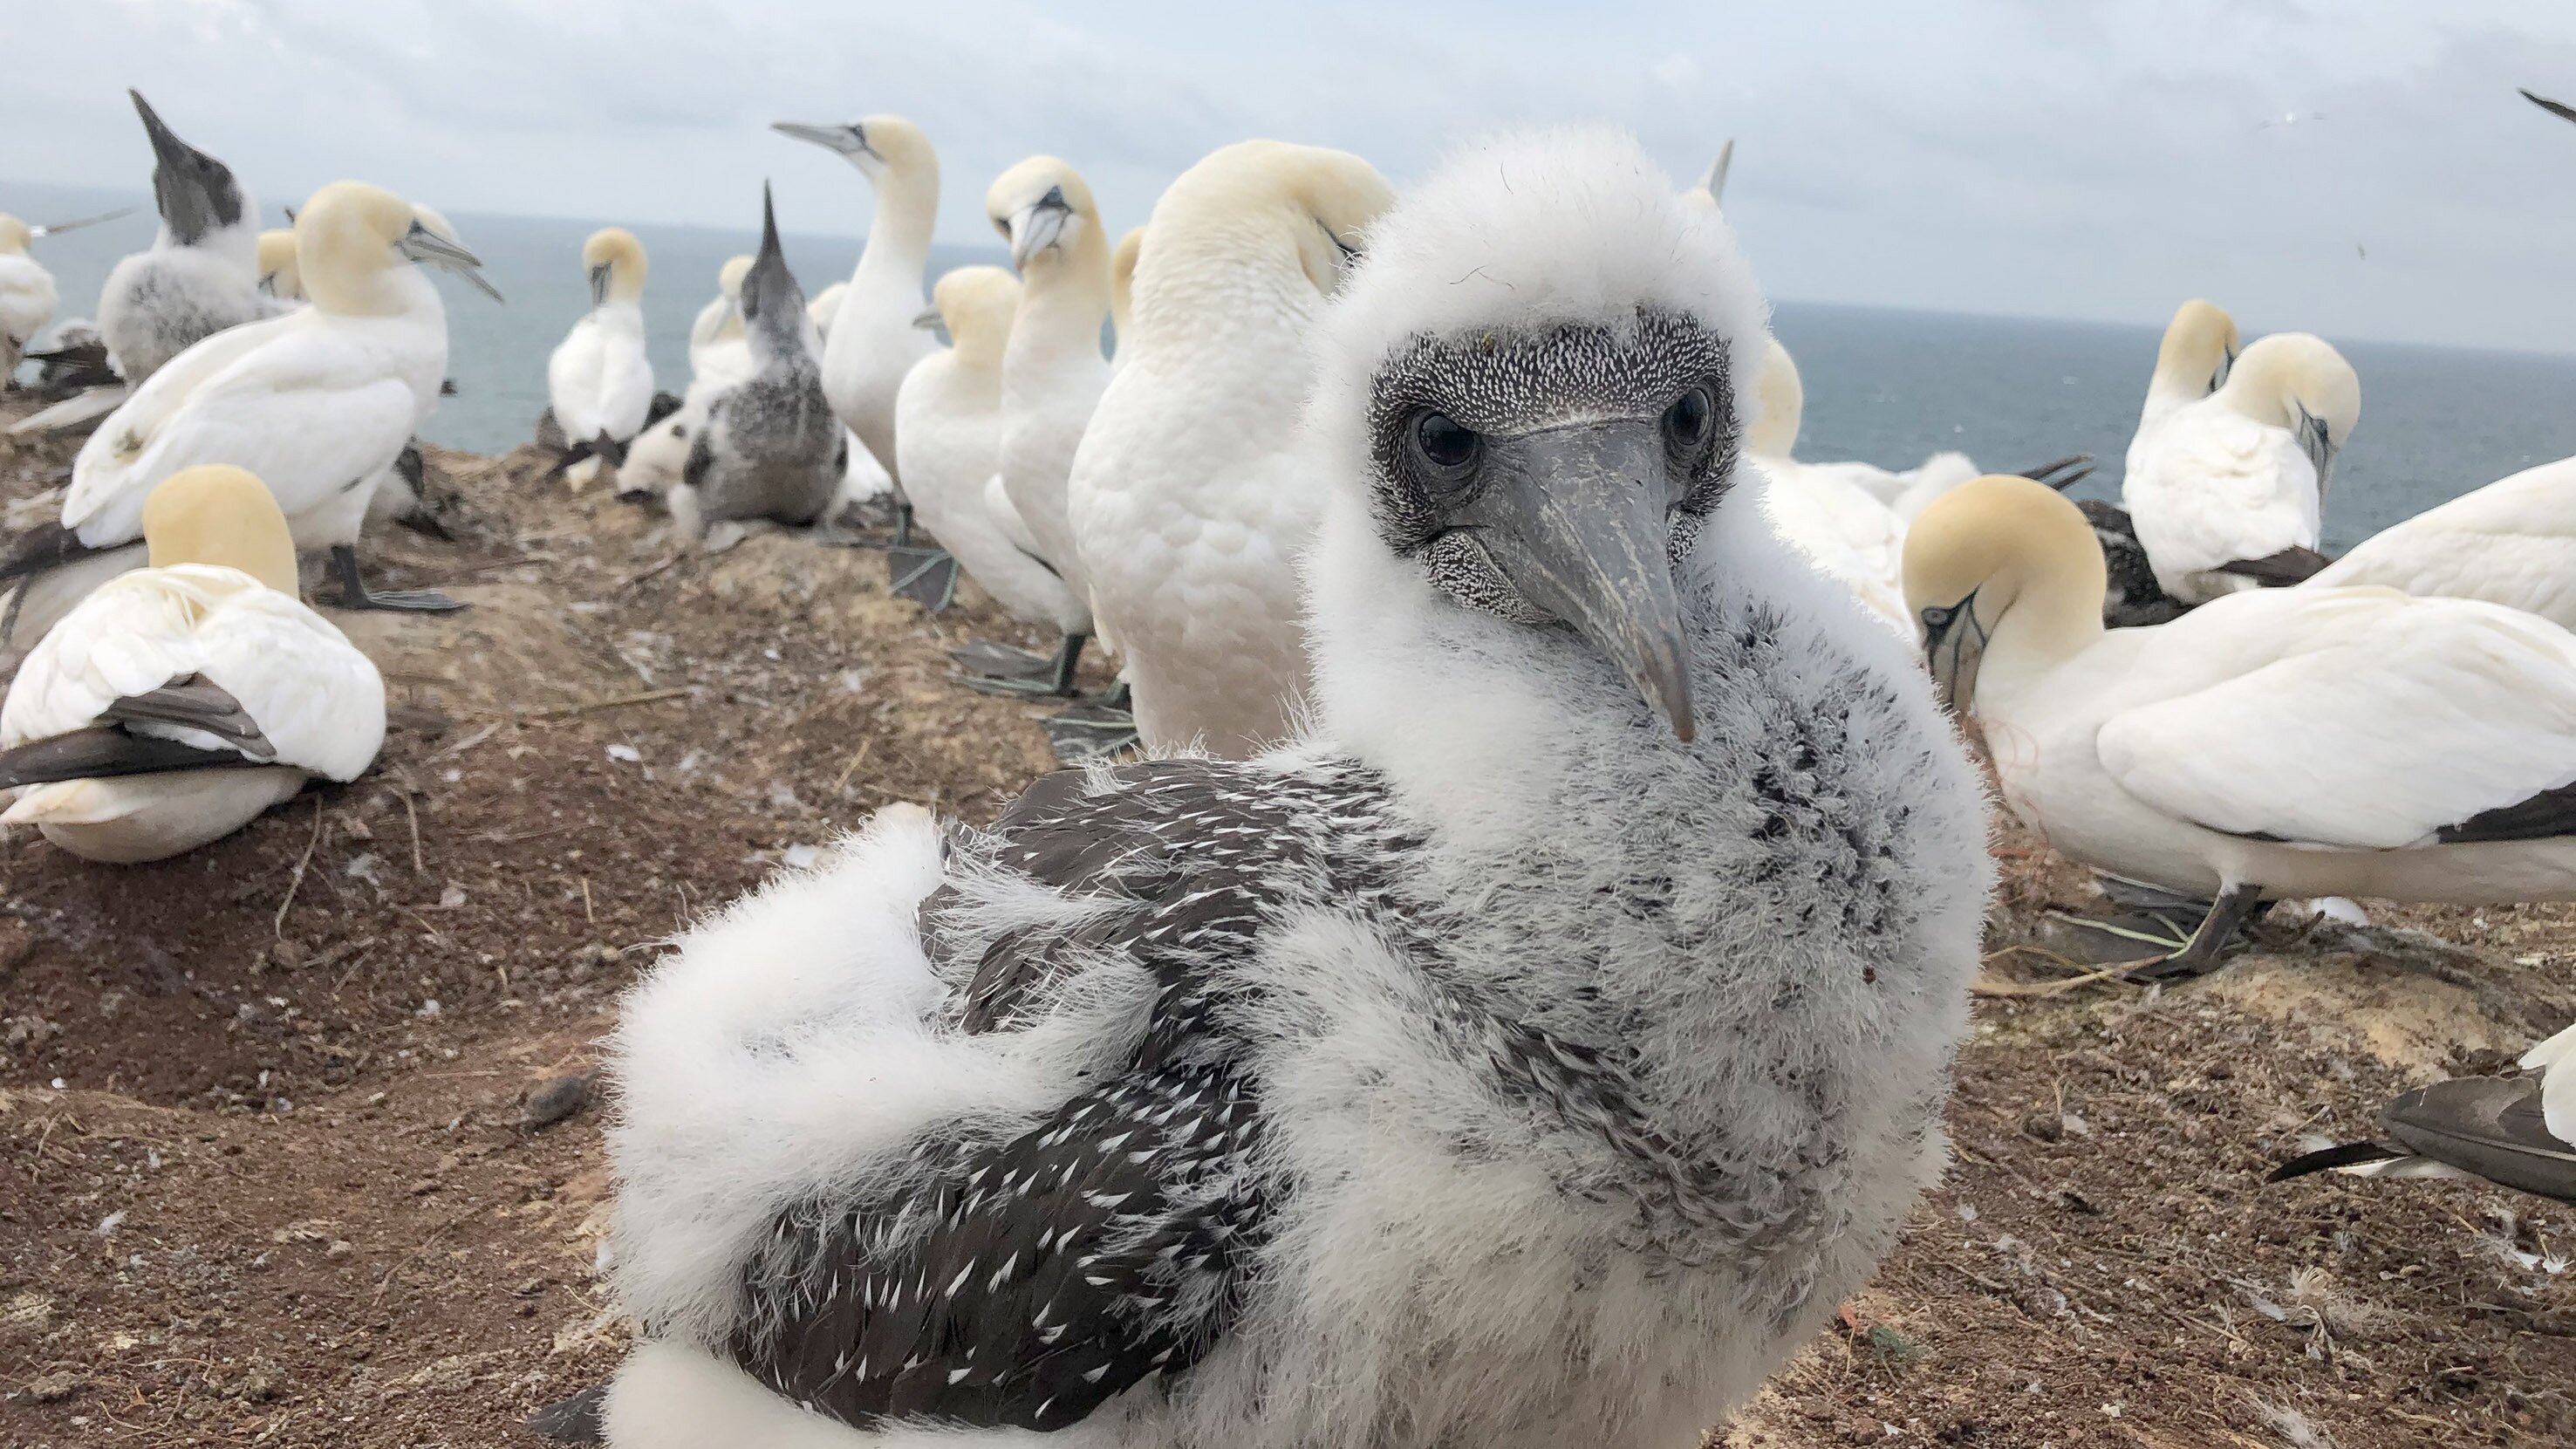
(1581, 523)
(1954, 645)
(193, 191)
(936, 325)
(2226, 365)
(770, 297)
(1039, 226)
(427, 248)
(2316, 439)
(599, 283)
(847, 140)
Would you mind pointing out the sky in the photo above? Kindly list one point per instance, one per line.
(2359, 169)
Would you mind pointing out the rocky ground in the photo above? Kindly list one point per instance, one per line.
(296, 1146)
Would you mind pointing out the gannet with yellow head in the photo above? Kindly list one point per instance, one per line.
(177, 703)
(279, 277)
(948, 427)
(1122, 291)
(599, 381)
(27, 296)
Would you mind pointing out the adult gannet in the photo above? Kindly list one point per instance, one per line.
(2512, 542)
(317, 403)
(2517, 1132)
(2284, 742)
(948, 429)
(771, 447)
(1533, 1058)
(1122, 291)
(718, 356)
(279, 278)
(2199, 347)
(201, 275)
(873, 340)
(2227, 492)
(176, 704)
(1052, 376)
(27, 297)
(599, 380)
(1840, 527)
(1189, 499)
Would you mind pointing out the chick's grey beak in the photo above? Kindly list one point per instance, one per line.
(599, 283)
(842, 140)
(429, 249)
(183, 181)
(1954, 644)
(1580, 520)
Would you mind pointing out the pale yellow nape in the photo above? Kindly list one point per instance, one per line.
(2009, 541)
(218, 514)
(277, 259)
(2200, 337)
(344, 240)
(978, 304)
(617, 249)
(14, 236)
(729, 276)
(1782, 399)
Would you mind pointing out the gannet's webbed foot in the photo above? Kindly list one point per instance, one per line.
(354, 593)
(1042, 677)
(927, 576)
(2234, 907)
(902, 520)
(1093, 728)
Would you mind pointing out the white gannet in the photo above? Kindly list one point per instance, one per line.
(770, 447)
(280, 279)
(718, 356)
(1052, 376)
(1122, 291)
(2512, 542)
(1534, 1058)
(177, 703)
(599, 380)
(2227, 492)
(1189, 499)
(948, 429)
(2284, 742)
(202, 273)
(317, 403)
(2517, 1132)
(396, 495)
(2200, 345)
(27, 297)
(873, 342)
(826, 306)
(1845, 530)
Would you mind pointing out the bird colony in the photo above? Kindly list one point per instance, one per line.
(1493, 972)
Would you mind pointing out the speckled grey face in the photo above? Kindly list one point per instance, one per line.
(1556, 477)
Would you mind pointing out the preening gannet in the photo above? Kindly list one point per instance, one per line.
(2512, 542)
(2283, 742)
(599, 380)
(1190, 500)
(718, 355)
(1052, 376)
(2517, 1132)
(1533, 1058)
(2227, 492)
(1840, 527)
(202, 273)
(2199, 347)
(1122, 291)
(771, 448)
(177, 703)
(948, 428)
(873, 342)
(317, 403)
(279, 278)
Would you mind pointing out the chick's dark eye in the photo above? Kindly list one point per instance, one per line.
(1688, 420)
(1444, 442)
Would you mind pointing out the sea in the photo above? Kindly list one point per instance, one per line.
(1882, 385)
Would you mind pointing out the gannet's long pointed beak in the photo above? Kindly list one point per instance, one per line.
(1038, 226)
(846, 140)
(57, 228)
(1954, 644)
(932, 322)
(599, 283)
(429, 249)
(1567, 515)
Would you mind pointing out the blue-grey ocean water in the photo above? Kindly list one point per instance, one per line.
(1885, 386)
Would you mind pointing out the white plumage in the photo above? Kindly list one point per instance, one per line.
(2192, 360)
(2512, 542)
(2227, 492)
(27, 296)
(1189, 499)
(1838, 525)
(202, 272)
(598, 379)
(1440, 1081)
(719, 355)
(1053, 374)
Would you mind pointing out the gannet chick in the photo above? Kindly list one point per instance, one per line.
(2199, 346)
(2512, 542)
(1122, 292)
(2227, 492)
(771, 447)
(824, 308)
(2517, 1132)
(317, 403)
(599, 380)
(2279, 743)
(279, 278)
(27, 297)
(201, 275)
(1532, 1058)
(873, 342)
(948, 428)
(2130, 594)
(718, 355)
(1189, 500)
(1052, 376)
(177, 703)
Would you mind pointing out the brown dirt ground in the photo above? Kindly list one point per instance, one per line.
(265, 1178)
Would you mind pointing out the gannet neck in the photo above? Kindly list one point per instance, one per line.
(2005, 578)
(1122, 282)
(2199, 345)
(978, 306)
(2288, 374)
(14, 236)
(279, 276)
(1783, 398)
(907, 203)
(221, 515)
